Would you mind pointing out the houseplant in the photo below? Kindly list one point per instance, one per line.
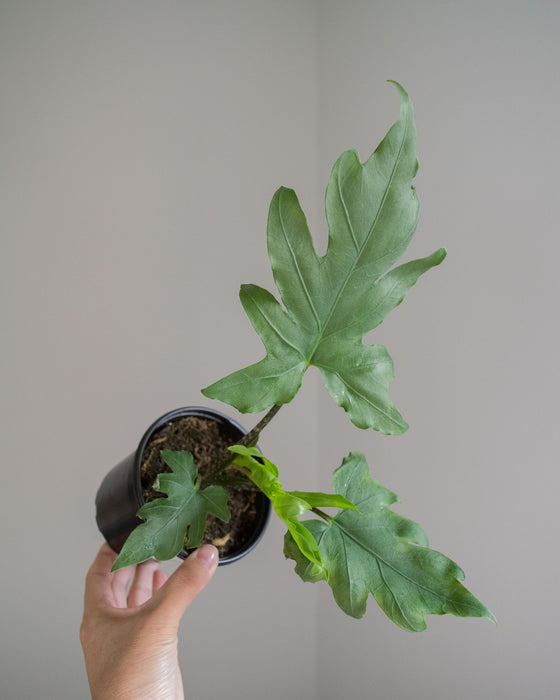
(329, 303)
(206, 433)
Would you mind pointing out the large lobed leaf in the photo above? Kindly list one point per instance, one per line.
(374, 550)
(331, 301)
(168, 519)
(288, 505)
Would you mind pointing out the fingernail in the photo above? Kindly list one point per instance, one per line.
(207, 556)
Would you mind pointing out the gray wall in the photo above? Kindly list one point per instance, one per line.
(475, 344)
(140, 145)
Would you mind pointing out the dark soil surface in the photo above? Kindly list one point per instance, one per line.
(201, 437)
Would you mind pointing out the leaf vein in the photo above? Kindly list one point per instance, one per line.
(389, 565)
(274, 327)
(393, 596)
(360, 394)
(361, 249)
(346, 214)
(298, 269)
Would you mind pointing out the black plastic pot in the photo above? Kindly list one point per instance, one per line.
(120, 495)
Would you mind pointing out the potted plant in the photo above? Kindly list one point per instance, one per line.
(236, 519)
(328, 304)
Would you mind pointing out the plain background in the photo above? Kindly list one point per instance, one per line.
(140, 144)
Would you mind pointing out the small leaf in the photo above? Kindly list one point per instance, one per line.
(288, 505)
(374, 550)
(167, 519)
(330, 302)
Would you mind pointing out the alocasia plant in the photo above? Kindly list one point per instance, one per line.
(328, 304)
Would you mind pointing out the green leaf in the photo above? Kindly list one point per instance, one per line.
(288, 505)
(167, 519)
(330, 302)
(374, 550)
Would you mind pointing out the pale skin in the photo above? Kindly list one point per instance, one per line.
(130, 639)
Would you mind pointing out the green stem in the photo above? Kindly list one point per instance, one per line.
(248, 440)
(235, 482)
(322, 514)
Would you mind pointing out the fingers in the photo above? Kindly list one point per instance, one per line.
(171, 596)
(185, 584)
(99, 582)
(120, 580)
(105, 587)
(159, 579)
(142, 584)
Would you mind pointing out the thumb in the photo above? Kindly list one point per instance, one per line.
(182, 587)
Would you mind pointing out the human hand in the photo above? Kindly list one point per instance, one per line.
(130, 641)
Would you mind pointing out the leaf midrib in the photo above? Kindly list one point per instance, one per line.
(178, 509)
(307, 293)
(273, 325)
(361, 395)
(389, 565)
(361, 248)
